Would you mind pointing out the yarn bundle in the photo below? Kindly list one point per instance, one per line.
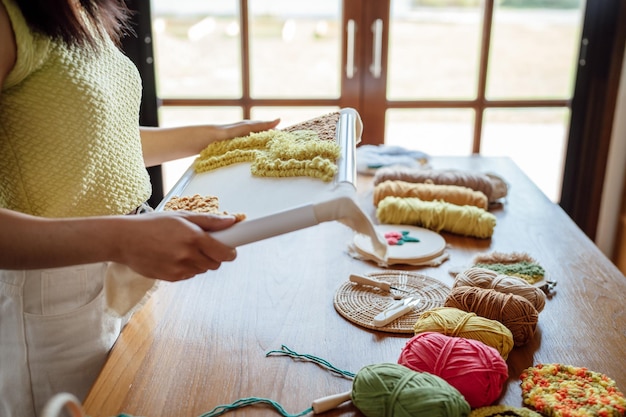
(441, 200)
(454, 194)
(491, 185)
(476, 370)
(437, 215)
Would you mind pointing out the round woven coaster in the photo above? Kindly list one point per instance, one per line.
(568, 391)
(361, 303)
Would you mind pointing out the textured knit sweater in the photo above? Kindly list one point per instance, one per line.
(69, 129)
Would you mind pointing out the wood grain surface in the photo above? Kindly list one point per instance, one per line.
(203, 342)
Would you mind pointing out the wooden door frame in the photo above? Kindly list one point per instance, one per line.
(593, 107)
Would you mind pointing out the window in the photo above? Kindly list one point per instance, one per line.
(442, 76)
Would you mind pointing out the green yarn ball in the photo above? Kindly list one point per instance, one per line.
(393, 390)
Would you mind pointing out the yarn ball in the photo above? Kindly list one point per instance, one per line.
(475, 369)
(437, 216)
(515, 312)
(455, 322)
(486, 278)
(393, 390)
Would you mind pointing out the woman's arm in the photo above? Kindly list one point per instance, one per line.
(166, 144)
(169, 246)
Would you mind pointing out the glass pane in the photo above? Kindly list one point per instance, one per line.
(534, 49)
(434, 47)
(535, 139)
(184, 116)
(295, 48)
(197, 48)
(435, 132)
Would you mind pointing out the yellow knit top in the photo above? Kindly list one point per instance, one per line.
(69, 129)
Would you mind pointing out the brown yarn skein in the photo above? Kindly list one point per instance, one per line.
(514, 311)
(486, 278)
(454, 194)
(491, 185)
(454, 322)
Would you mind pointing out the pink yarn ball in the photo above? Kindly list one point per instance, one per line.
(476, 370)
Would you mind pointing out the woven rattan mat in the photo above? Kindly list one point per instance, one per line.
(361, 303)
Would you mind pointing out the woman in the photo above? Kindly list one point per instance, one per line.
(72, 166)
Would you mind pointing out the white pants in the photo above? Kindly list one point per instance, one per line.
(55, 334)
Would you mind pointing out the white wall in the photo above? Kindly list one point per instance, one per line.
(615, 174)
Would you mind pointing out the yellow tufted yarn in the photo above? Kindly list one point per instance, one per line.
(452, 321)
(486, 278)
(453, 194)
(275, 153)
(437, 216)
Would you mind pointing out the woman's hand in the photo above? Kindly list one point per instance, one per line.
(166, 144)
(174, 245)
(169, 245)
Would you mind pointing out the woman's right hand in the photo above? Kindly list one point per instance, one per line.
(173, 246)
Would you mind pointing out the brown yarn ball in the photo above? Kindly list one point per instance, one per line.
(514, 311)
(486, 278)
(454, 322)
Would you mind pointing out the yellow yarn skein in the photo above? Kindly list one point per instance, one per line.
(486, 278)
(454, 194)
(437, 216)
(455, 322)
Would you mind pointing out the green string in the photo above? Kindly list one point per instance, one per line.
(322, 362)
(243, 402)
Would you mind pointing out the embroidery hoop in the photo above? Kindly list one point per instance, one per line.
(431, 246)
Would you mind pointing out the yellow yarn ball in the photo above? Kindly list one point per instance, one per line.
(452, 321)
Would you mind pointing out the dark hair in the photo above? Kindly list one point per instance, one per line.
(74, 21)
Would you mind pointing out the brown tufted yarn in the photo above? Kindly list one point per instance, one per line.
(486, 278)
(514, 311)
(458, 323)
(454, 194)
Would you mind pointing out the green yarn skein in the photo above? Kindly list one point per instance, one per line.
(393, 390)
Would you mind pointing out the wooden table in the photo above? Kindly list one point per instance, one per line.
(203, 342)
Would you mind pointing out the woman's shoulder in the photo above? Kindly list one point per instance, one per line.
(23, 50)
(8, 48)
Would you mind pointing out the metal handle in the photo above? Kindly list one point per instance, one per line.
(377, 30)
(351, 29)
